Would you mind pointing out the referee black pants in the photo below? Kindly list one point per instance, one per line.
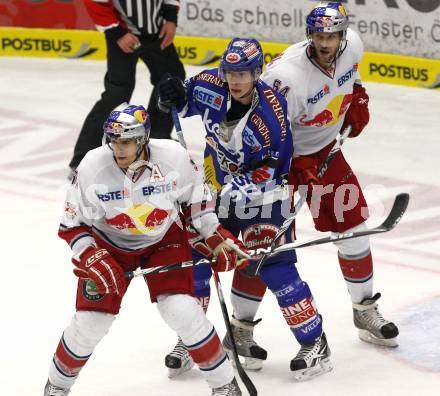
(119, 83)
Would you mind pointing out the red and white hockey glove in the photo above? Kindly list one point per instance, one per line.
(304, 172)
(357, 114)
(98, 265)
(197, 242)
(228, 251)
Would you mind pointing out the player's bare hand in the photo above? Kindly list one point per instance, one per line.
(128, 43)
(167, 34)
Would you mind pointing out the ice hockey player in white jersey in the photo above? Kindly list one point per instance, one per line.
(122, 212)
(319, 78)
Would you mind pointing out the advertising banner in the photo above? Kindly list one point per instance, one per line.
(205, 51)
(409, 27)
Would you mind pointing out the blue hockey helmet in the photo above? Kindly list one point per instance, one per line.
(242, 54)
(128, 122)
(327, 17)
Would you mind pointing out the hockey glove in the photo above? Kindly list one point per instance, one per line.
(229, 252)
(303, 172)
(170, 91)
(98, 265)
(357, 114)
(197, 242)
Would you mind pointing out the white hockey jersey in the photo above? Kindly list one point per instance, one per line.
(132, 215)
(317, 101)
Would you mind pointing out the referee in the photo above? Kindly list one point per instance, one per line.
(133, 29)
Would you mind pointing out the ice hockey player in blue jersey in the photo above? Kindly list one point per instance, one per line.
(246, 160)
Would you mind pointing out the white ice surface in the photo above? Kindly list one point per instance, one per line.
(43, 104)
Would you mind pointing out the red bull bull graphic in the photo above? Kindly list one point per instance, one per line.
(121, 222)
(331, 114)
(139, 219)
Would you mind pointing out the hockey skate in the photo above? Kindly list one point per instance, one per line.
(243, 333)
(312, 360)
(372, 326)
(230, 389)
(178, 360)
(52, 390)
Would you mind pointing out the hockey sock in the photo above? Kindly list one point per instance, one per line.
(300, 312)
(246, 295)
(358, 275)
(295, 301)
(76, 346)
(204, 302)
(186, 317)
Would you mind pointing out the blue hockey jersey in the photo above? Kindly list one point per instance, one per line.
(254, 157)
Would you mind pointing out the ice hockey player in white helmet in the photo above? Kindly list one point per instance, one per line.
(123, 210)
(320, 79)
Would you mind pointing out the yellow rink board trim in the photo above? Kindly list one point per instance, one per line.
(87, 44)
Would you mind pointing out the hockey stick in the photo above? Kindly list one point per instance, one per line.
(164, 268)
(398, 209)
(243, 376)
(251, 271)
(241, 372)
(178, 127)
(334, 150)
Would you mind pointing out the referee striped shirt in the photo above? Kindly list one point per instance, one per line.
(138, 16)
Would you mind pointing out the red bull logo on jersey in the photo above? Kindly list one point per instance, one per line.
(139, 219)
(121, 222)
(331, 114)
(323, 118)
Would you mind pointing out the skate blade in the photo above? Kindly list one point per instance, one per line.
(247, 362)
(324, 366)
(366, 336)
(173, 373)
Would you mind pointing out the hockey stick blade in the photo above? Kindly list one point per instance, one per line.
(397, 211)
(399, 207)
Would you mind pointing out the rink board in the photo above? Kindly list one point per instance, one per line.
(85, 44)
